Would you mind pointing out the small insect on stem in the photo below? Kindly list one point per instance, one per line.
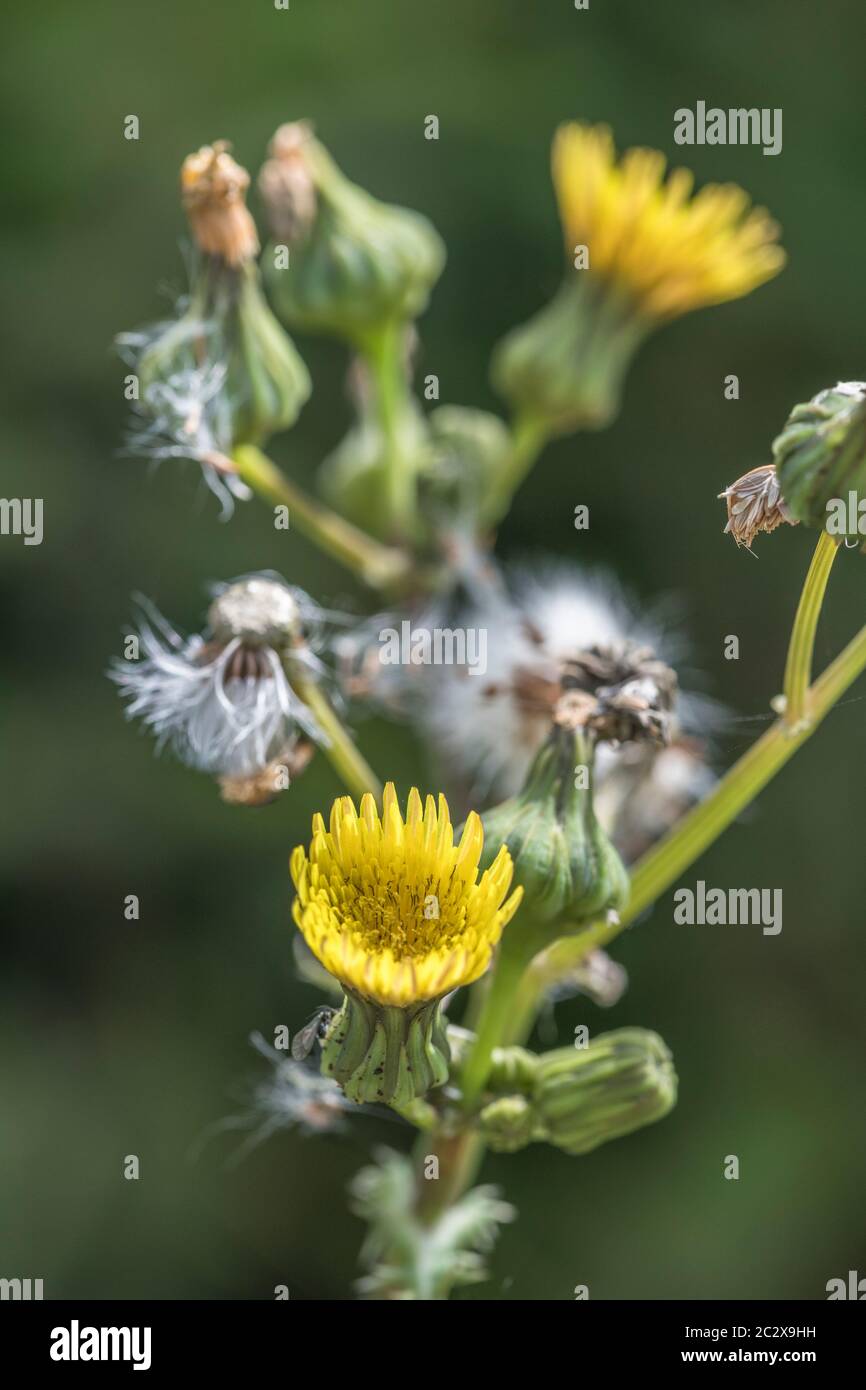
(311, 1033)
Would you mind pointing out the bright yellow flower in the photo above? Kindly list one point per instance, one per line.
(394, 909)
(670, 251)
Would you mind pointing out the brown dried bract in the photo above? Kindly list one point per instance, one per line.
(266, 784)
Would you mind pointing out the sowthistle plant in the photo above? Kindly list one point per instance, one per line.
(582, 771)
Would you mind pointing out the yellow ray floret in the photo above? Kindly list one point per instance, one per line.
(670, 251)
(392, 907)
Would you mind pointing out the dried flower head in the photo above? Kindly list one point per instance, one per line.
(286, 183)
(755, 503)
(669, 251)
(213, 190)
(223, 701)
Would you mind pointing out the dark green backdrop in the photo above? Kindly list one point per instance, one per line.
(120, 1037)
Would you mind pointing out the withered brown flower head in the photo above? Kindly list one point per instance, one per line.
(755, 503)
(286, 183)
(213, 190)
(622, 693)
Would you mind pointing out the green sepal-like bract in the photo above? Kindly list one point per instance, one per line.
(820, 458)
(569, 870)
(565, 367)
(379, 1053)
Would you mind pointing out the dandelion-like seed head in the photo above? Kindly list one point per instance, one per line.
(755, 503)
(392, 907)
(670, 251)
(223, 701)
(213, 190)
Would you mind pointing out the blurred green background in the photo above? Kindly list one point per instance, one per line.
(120, 1037)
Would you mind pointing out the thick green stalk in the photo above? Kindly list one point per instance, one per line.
(380, 566)
(798, 667)
(496, 1009)
(384, 356)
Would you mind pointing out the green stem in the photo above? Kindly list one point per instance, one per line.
(344, 757)
(496, 1010)
(384, 356)
(662, 865)
(459, 1154)
(378, 565)
(528, 437)
(798, 667)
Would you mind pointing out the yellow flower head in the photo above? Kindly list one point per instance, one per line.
(393, 908)
(670, 251)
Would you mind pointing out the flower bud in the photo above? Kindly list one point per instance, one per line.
(567, 365)
(383, 1053)
(564, 861)
(469, 450)
(821, 458)
(355, 265)
(508, 1124)
(585, 1096)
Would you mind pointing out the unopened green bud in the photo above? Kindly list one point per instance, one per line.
(507, 1124)
(380, 1053)
(354, 264)
(569, 870)
(565, 368)
(620, 1082)
(354, 478)
(821, 459)
(470, 449)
